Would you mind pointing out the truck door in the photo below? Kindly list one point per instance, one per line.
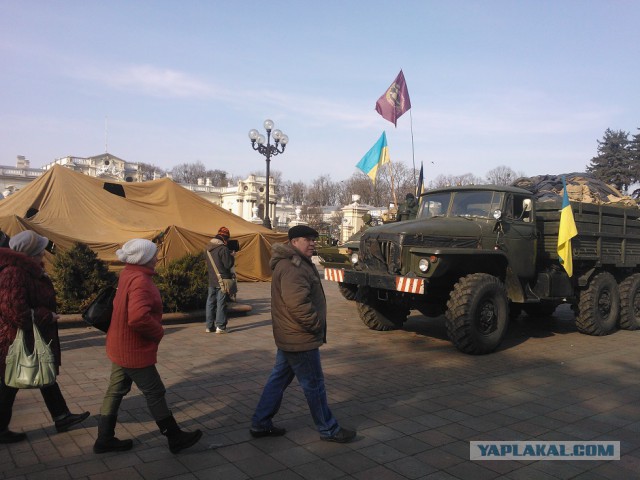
(519, 240)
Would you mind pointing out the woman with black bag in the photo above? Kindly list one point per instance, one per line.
(26, 296)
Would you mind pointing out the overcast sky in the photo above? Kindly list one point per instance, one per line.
(528, 84)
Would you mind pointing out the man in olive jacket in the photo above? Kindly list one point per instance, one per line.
(299, 312)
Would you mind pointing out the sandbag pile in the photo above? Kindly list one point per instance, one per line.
(581, 187)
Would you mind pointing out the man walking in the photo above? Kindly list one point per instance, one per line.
(299, 311)
(220, 261)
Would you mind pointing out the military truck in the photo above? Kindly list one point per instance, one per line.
(480, 254)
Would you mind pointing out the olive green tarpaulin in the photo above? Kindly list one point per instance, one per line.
(69, 207)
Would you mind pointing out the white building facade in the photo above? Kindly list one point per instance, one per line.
(246, 199)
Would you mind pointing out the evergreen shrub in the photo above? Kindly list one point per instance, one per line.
(183, 284)
(78, 275)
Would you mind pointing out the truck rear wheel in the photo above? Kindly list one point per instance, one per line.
(630, 303)
(477, 314)
(599, 306)
(348, 290)
(378, 314)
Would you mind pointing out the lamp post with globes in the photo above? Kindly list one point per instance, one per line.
(264, 146)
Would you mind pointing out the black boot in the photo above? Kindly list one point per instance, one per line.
(178, 440)
(106, 441)
(69, 421)
(7, 436)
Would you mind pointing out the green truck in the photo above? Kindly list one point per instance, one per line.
(483, 254)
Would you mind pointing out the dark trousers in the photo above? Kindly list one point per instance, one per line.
(147, 379)
(53, 399)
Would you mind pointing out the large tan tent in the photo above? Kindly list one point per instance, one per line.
(69, 207)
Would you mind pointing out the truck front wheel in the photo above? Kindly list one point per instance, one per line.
(348, 290)
(630, 303)
(599, 306)
(378, 314)
(477, 314)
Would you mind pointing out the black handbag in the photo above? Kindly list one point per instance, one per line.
(98, 313)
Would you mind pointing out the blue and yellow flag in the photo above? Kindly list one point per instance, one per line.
(377, 156)
(566, 232)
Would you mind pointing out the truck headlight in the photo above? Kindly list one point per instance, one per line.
(423, 265)
(354, 258)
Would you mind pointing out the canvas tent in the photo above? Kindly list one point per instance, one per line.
(69, 207)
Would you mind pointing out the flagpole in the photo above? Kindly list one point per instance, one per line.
(393, 189)
(413, 151)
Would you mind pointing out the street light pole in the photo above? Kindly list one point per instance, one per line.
(263, 145)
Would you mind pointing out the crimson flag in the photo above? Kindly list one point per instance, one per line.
(395, 101)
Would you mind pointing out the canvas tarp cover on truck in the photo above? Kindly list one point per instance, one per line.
(68, 207)
(581, 187)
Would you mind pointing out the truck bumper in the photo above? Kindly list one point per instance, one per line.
(383, 282)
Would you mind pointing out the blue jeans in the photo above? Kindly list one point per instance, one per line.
(306, 367)
(215, 311)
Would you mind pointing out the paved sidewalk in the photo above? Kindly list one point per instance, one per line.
(414, 399)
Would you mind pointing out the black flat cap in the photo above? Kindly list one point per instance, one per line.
(302, 231)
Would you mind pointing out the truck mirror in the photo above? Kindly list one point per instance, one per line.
(497, 214)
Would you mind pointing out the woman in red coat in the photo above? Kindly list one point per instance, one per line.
(132, 346)
(26, 291)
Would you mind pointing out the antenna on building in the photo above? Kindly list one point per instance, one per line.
(106, 135)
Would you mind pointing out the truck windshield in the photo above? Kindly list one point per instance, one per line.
(468, 203)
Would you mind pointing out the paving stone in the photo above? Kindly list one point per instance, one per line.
(414, 399)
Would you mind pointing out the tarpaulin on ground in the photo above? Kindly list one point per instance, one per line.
(69, 207)
(581, 187)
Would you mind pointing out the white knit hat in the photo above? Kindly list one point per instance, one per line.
(137, 251)
(29, 243)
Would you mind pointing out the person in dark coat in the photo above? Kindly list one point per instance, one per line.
(27, 295)
(299, 321)
(217, 295)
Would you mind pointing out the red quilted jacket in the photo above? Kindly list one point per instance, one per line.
(24, 286)
(136, 324)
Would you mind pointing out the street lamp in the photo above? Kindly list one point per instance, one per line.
(265, 148)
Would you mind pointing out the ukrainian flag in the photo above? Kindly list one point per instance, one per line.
(377, 156)
(566, 232)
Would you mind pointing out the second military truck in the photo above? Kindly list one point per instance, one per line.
(483, 254)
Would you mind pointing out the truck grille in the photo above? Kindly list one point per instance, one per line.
(381, 255)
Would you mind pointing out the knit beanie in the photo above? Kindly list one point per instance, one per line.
(137, 251)
(29, 243)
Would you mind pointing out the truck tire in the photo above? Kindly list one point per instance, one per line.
(599, 306)
(630, 303)
(477, 314)
(348, 290)
(377, 314)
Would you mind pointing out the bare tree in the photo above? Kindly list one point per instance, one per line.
(357, 184)
(454, 180)
(293, 192)
(503, 175)
(394, 181)
(191, 172)
(312, 214)
(323, 191)
(149, 171)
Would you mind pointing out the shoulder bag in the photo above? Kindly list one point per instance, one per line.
(30, 370)
(225, 283)
(98, 313)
